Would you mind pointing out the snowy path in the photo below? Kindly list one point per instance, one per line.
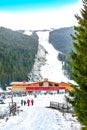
(38, 117)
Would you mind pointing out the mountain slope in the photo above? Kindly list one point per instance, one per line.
(17, 55)
(47, 64)
(61, 39)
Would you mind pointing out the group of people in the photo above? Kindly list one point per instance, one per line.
(28, 102)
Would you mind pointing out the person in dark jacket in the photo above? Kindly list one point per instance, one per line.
(22, 102)
(32, 102)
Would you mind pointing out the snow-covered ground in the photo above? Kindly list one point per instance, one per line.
(35, 74)
(47, 64)
(27, 32)
(39, 117)
(53, 67)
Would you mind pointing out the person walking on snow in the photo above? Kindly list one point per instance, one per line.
(32, 102)
(28, 102)
(22, 102)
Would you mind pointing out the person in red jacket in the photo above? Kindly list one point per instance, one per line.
(28, 102)
(32, 102)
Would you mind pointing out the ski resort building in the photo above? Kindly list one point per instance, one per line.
(42, 86)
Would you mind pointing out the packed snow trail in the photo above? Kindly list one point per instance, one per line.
(38, 117)
(53, 67)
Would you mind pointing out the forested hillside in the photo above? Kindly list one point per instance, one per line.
(17, 54)
(62, 41)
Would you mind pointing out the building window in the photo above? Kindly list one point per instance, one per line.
(56, 84)
(50, 84)
(41, 84)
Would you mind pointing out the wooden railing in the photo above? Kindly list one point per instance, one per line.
(12, 107)
(61, 107)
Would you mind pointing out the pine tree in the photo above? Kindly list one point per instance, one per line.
(79, 66)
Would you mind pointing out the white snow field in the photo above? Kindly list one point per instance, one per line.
(39, 117)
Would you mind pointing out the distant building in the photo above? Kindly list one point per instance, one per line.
(8, 88)
(42, 86)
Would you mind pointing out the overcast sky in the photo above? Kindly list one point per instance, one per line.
(38, 14)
